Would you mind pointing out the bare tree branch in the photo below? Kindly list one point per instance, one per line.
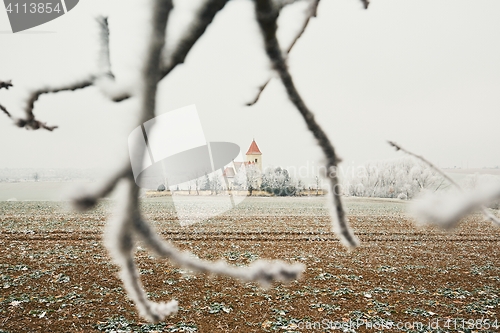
(6, 84)
(129, 223)
(5, 111)
(488, 215)
(426, 161)
(88, 198)
(105, 60)
(259, 92)
(120, 238)
(105, 70)
(106, 81)
(266, 17)
(30, 122)
(203, 19)
(312, 12)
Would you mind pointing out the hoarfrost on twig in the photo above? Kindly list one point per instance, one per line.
(267, 16)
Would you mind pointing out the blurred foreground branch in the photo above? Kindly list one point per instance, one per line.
(465, 204)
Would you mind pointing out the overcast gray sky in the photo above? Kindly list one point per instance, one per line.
(423, 73)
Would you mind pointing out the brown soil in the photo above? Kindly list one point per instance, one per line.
(54, 280)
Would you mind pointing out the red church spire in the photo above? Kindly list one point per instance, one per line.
(254, 149)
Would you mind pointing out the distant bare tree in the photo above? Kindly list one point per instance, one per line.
(215, 184)
(252, 175)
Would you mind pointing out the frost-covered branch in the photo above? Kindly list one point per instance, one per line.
(88, 198)
(128, 222)
(119, 234)
(105, 58)
(106, 81)
(119, 240)
(426, 161)
(261, 271)
(199, 25)
(447, 217)
(311, 12)
(267, 16)
(5, 84)
(30, 121)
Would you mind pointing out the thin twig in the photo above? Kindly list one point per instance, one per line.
(259, 92)
(120, 238)
(203, 19)
(106, 81)
(486, 212)
(263, 272)
(34, 124)
(6, 84)
(89, 198)
(105, 59)
(129, 223)
(5, 110)
(313, 9)
(312, 12)
(426, 161)
(30, 121)
(266, 17)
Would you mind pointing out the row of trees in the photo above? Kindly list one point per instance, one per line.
(400, 178)
(276, 181)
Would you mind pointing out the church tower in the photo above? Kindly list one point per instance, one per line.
(255, 156)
